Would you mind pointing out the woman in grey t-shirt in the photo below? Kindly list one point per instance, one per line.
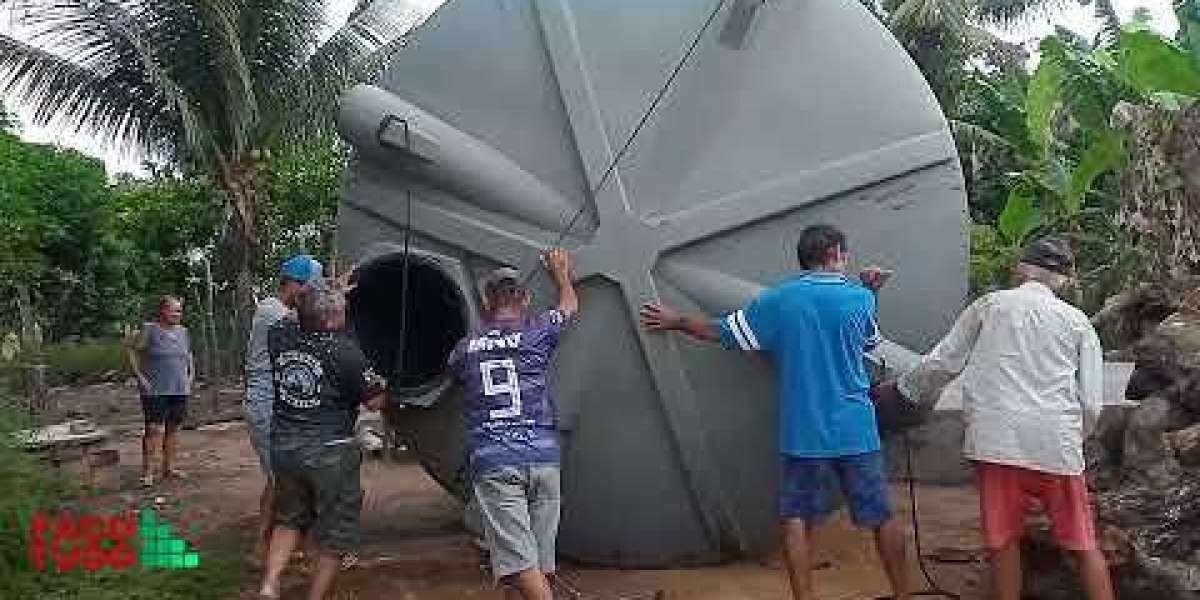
(161, 358)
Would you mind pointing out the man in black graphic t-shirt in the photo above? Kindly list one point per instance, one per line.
(321, 377)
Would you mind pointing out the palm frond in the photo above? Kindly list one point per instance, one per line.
(206, 79)
(1012, 13)
(357, 52)
(278, 37)
(94, 35)
(911, 17)
(219, 19)
(1110, 30)
(144, 50)
(979, 136)
(116, 105)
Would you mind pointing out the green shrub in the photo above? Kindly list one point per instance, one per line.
(992, 259)
(10, 379)
(69, 362)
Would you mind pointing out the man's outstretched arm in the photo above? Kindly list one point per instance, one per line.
(558, 262)
(657, 316)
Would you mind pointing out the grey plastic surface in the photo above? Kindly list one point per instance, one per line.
(500, 117)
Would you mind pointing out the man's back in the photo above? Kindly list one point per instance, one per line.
(1022, 383)
(817, 327)
(504, 366)
(321, 377)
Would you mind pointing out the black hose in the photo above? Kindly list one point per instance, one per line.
(933, 589)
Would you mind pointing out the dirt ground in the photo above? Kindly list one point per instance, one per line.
(414, 547)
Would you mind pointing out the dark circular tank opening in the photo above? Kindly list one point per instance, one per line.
(410, 344)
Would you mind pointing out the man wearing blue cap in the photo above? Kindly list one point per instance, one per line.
(295, 273)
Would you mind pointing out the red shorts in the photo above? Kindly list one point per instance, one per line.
(1007, 493)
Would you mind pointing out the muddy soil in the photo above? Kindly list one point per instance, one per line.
(414, 547)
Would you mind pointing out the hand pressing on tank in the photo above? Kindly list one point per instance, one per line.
(873, 278)
(557, 261)
(657, 316)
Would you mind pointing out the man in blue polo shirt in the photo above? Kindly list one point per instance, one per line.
(816, 326)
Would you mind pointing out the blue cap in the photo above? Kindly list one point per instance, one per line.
(301, 267)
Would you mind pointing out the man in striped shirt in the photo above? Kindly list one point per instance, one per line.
(816, 326)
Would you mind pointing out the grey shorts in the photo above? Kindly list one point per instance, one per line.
(258, 406)
(519, 506)
(319, 487)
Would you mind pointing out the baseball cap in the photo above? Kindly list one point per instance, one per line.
(501, 278)
(1052, 254)
(302, 268)
(502, 274)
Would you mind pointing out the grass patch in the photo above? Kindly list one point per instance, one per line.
(71, 362)
(30, 486)
(218, 576)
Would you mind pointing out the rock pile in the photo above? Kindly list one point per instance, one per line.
(1145, 461)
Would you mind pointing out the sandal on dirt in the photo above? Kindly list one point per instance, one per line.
(147, 481)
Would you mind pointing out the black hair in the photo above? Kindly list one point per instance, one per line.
(816, 241)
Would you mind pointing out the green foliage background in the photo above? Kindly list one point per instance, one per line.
(95, 255)
(1039, 149)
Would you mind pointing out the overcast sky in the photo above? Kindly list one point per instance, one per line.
(1080, 19)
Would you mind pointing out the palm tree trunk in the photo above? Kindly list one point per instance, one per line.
(1166, 220)
(242, 185)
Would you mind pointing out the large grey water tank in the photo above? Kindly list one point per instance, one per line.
(489, 132)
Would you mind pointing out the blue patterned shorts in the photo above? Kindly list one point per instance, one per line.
(806, 488)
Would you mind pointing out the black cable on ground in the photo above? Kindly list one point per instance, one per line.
(933, 588)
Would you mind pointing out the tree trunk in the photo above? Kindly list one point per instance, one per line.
(33, 372)
(242, 185)
(1160, 187)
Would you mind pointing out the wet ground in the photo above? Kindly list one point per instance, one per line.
(415, 548)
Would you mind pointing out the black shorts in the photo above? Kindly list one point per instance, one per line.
(164, 410)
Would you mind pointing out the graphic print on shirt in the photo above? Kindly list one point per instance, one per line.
(510, 387)
(511, 416)
(299, 379)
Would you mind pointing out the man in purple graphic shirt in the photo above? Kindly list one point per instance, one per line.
(511, 418)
